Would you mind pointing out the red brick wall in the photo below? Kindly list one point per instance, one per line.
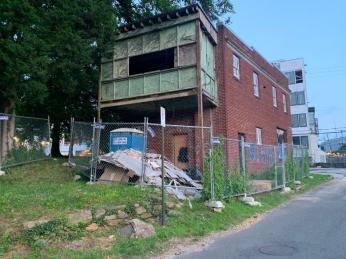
(239, 109)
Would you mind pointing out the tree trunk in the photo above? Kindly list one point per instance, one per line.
(56, 139)
(7, 132)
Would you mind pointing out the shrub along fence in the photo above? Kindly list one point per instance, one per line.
(242, 168)
(23, 140)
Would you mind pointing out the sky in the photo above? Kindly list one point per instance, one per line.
(312, 29)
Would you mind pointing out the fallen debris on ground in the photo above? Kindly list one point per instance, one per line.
(126, 166)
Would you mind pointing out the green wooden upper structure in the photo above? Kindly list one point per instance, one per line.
(167, 56)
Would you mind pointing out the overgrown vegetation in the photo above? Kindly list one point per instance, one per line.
(226, 182)
(46, 189)
(290, 166)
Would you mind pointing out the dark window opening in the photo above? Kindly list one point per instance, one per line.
(159, 60)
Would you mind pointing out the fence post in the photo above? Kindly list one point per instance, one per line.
(50, 144)
(211, 165)
(70, 151)
(92, 153)
(275, 168)
(163, 175)
(243, 162)
(283, 165)
(144, 153)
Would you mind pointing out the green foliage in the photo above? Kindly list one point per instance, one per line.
(217, 158)
(236, 182)
(130, 210)
(306, 164)
(19, 154)
(290, 166)
(52, 230)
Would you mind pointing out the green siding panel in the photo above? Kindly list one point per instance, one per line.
(136, 86)
(120, 49)
(151, 42)
(152, 84)
(107, 92)
(135, 46)
(168, 38)
(121, 89)
(169, 81)
(187, 33)
(188, 77)
(120, 68)
(107, 71)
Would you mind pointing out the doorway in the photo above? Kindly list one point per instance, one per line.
(181, 151)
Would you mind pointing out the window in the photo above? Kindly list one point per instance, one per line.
(301, 141)
(159, 60)
(275, 100)
(284, 102)
(298, 98)
(236, 66)
(281, 135)
(295, 77)
(255, 84)
(298, 120)
(259, 136)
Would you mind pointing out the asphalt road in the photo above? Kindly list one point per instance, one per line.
(311, 226)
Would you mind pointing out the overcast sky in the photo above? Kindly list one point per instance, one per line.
(312, 29)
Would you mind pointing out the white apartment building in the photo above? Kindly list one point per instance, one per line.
(304, 124)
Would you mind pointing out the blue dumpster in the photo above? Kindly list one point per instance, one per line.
(125, 138)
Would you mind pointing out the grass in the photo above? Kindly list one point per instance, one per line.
(47, 189)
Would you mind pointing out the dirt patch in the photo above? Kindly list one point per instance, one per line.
(178, 246)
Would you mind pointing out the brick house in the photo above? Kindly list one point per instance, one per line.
(202, 75)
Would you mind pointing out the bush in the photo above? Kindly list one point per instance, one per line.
(236, 182)
(306, 163)
(217, 158)
(226, 183)
(291, 167)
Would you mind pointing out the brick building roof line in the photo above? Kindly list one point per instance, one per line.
(258, 67)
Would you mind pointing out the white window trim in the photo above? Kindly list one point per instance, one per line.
(255, 84)
(284, 101)
(236, 66)
(259, 137)
(275, 96)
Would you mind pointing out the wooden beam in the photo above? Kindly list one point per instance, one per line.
(200, 115)
(150, 98)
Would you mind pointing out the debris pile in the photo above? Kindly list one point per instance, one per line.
(126, 166)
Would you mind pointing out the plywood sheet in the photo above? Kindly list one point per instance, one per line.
(169, 81)
(151, 42)
(188, 77)
(187, 55)
(136, 86)
(107, 71)
(120, 68)
(121, 89)
(135, 46)
(107, 91)
(187, 33)
(120, 49)
(152, 84)
(168, 38)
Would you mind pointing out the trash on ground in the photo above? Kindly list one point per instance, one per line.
(250, 201)
(126, 166)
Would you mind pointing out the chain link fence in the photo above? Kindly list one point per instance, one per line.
(252, 168)
(132, 153)
(23, 140)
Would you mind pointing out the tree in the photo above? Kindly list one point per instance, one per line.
(50, 52)
(23, 59)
